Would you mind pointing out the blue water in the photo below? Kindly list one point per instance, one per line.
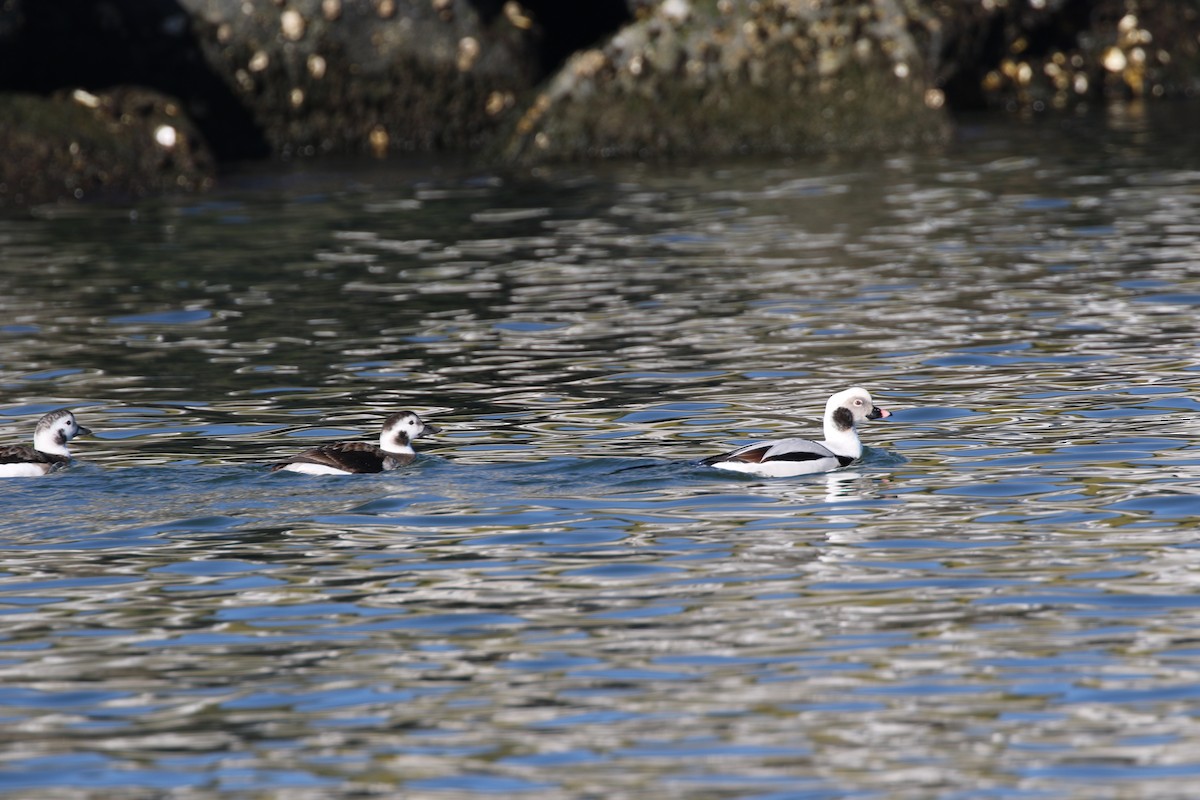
(556, 599)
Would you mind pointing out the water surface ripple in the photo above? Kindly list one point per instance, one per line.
(555, 599)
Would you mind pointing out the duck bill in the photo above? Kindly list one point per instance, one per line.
(83, 431)
(879, 413)
(430, 429)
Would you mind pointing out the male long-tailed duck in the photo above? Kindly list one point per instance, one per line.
(347, 458)
(783, 458)
(49, 451)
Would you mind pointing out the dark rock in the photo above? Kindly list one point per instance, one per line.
(1065, 53)
(101, 44)
(700, 79)
(653, 77)
(75, 145)
(369, 75)
(305, 76)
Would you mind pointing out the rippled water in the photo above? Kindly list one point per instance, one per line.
(555, 600)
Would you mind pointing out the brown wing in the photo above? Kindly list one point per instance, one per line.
(21, 453)
(350, 456)
(751, 454)
(780, 450)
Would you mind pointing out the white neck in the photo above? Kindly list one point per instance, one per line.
(840, 442)
(47, 442)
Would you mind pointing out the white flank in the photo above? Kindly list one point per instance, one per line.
(23, 470)
(780, 469)
(314, 469)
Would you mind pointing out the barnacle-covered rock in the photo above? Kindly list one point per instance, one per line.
(1057, 54)
(263, 77)
(731, 77)
(369, 76)
(75, 145)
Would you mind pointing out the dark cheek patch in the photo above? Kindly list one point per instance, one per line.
(843, 419)
(60, 437)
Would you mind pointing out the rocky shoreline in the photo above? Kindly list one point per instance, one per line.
(128, 97)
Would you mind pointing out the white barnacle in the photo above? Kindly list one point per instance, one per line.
(292, 24)
(166, 136)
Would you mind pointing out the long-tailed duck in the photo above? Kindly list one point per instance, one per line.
(786, 457)
(49, 451)
(347, 458)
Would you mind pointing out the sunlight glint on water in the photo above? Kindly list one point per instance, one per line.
(556, 600)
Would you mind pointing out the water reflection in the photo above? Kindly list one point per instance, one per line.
(1000, 595)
